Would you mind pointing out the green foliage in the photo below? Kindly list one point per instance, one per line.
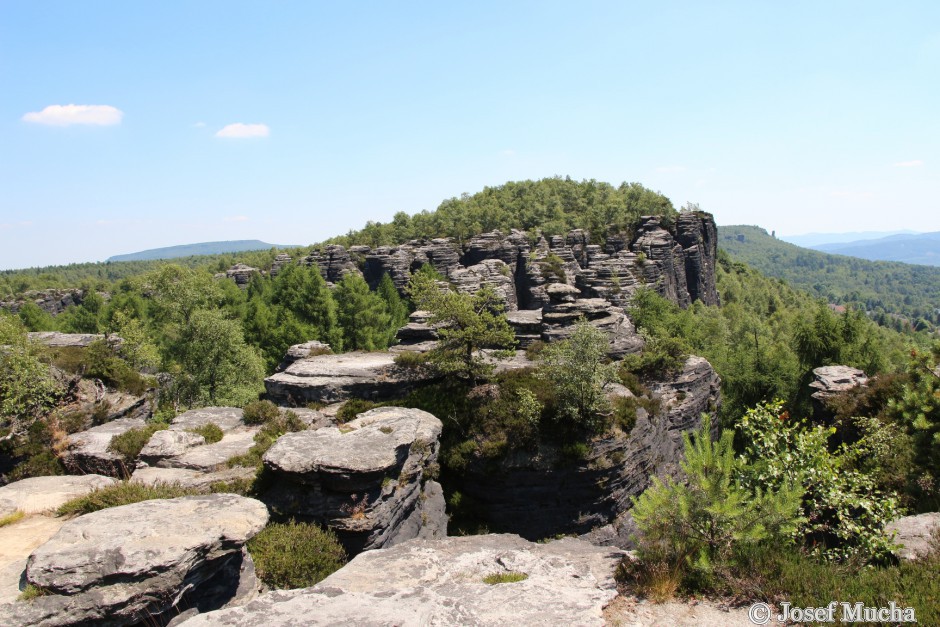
(578, 371)
(505, 577)
(411, 359)
(98, 360)
(27, 389)
(468, 325)
(917, 409)
(31, 592)
(396, 307)
(845, 514)
(271, 430)
(35, 318)
(9, 519)
(129, 444)
(122, 493)
(216, 366)
(306, 301)
(695, 526)
(362, 316)
(210, 431)
(352, 408)
(295, 555)
(259, 412)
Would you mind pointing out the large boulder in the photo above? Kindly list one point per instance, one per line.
(88, 450)
(914, 534)
(831, 381)
(442, 582)
(45, 494)
(134, 563)
(367, 479)
(333, 378)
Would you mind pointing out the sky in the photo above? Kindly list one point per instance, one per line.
(127, 125)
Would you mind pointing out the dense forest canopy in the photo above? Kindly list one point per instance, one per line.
(896, 295)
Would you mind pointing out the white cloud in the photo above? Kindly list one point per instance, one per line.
(909, 164)
(237, 219)
(242, 131)
(66, 115)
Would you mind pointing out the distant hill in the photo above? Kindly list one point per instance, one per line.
(814, 240)
(921, 248)
(203, 248)
(894, 293)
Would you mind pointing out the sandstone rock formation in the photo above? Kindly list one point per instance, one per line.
(333, 378)
(441, 582)
(831, 381)
(367, 479)
(88, 450)
(53, 301)
(240, 273)
(45, 494)
(135, 563)
(540, 493)
(80, 340)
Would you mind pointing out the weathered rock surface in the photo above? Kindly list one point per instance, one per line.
(213, 457)
(440, 582)
(366, 479)
(541, 493)
(302, 351)
(226, 418)
(80, 340)
(88, 450)
(45, 494)
(167, 443)
(53, 301)
(333, 378)
(17, 541)
(831, 381)
(240, 273)
(128, 564)
(189, 478)
(914, 534)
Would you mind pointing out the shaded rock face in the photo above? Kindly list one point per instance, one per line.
(540, 494)
(80, 340)
(240, 273)
(828, 383)
(333, 378)
(53, 301)
(124, 565)
(367, 479)
(440, 582)
(914, 533)
(677, 259)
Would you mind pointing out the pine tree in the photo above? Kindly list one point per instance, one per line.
(362, 316)
(396, 306)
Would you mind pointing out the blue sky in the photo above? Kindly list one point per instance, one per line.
(294, 121)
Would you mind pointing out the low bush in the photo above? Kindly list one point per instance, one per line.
(123, 493)
(129, 444)
(210, 431)
(352, 408)
(11, 518)
(259, 412)
(295, 555)
(508, 577)
(411, 359)
(288, 422)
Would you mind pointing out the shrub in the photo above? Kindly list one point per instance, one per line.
(411, 359)
(533, 350)
(210, 431)
(31, 592)
(624, 414)
(508, 577)
(288, 422)
(11, 518)
(295, 555)
(352, 408)
(123, 493)
(129, 444)
(259, 412)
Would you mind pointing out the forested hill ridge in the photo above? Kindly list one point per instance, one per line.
(201, 248)
(895, 294)
(919, 248)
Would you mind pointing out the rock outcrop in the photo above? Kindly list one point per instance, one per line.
(135, 563)
(441, 582)
(914, 534)
(53, 301)
(88, 451)
(334, 378)
(78, 340)
(831, 381)
(369, 479)
(542, 493)
(45, 494)
(240, 273)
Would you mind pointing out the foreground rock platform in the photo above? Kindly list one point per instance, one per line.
(45, 494)
(440, 582)
(128, 564)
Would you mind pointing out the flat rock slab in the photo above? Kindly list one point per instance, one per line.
(17, 541)
(629, 610)
(214, 456)
(88, 450)
(45, 494)
(143, 540)
(226, 418)
(168, 443)
(369, 446)
(914, 533)
(189, 478)
(440, 582)
(56, 339)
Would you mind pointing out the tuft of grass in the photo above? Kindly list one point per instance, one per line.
(411, 359)
(31, 592)
(295, 555)
(352, 408)
(129, 444)
(210, 431)
(272, 429)
(507, 577)
(123, 493)
(9, 519)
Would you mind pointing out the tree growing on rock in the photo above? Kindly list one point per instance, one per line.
(362, 315)
(579, 373)
(27, 388)
(467, 324)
